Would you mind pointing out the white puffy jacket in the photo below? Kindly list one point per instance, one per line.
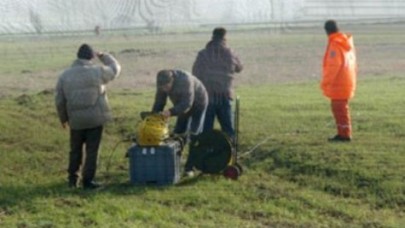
(81, 98)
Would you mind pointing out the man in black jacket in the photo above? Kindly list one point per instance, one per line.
(216, 66)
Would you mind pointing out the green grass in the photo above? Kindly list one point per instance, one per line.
(22, 55)
(294, 179)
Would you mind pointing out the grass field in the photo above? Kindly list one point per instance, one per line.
(292, 176)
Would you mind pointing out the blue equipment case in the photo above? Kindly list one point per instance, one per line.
(159, 165)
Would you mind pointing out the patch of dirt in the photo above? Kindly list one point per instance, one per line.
(139, 52)
(24, 99)
(268, 58)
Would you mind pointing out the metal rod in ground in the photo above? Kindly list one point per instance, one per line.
(236, 123)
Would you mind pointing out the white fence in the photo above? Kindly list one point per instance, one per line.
(60, 16)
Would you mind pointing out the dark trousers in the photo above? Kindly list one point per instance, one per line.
(221, 108)
(88, 141)
(192, 121)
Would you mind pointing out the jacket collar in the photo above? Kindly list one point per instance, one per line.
(82, 62)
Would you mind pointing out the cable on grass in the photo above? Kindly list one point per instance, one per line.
(109, 158)
(248, 152)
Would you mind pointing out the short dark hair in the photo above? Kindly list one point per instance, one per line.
(164, 77)
(331, 26)
(85, 52)
(219, 33)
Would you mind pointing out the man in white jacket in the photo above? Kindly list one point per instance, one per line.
(82, 104)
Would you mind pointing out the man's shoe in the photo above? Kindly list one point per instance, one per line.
(72, 183)
(338, 138)
(91, 185)
(188, 173)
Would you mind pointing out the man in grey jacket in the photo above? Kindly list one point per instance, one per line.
(216, 66)
(189, 99)
(82, 105)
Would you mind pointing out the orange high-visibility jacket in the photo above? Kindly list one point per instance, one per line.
(339, 67)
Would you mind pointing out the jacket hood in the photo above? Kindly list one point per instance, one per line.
(343, 40)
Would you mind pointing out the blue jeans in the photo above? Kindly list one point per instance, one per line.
(220, 107)
(192, 121)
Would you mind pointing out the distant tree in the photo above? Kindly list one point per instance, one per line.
(272, 9)
(97, 29)
(36, 21)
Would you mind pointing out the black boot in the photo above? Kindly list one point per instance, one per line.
(91, 185)
(338, 138)
(72, 182)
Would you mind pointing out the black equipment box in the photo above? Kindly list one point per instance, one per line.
(159, 165)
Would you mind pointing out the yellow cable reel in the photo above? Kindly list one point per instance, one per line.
(152, 131)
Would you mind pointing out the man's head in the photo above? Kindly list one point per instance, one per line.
(219, 33)
(164, 80)
(331, 27)
(85, 52)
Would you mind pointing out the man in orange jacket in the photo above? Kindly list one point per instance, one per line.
(339, 78)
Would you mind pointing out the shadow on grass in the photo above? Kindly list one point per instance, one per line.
(25, 194)
(189, 180)
(117, 184)
(332, 174)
